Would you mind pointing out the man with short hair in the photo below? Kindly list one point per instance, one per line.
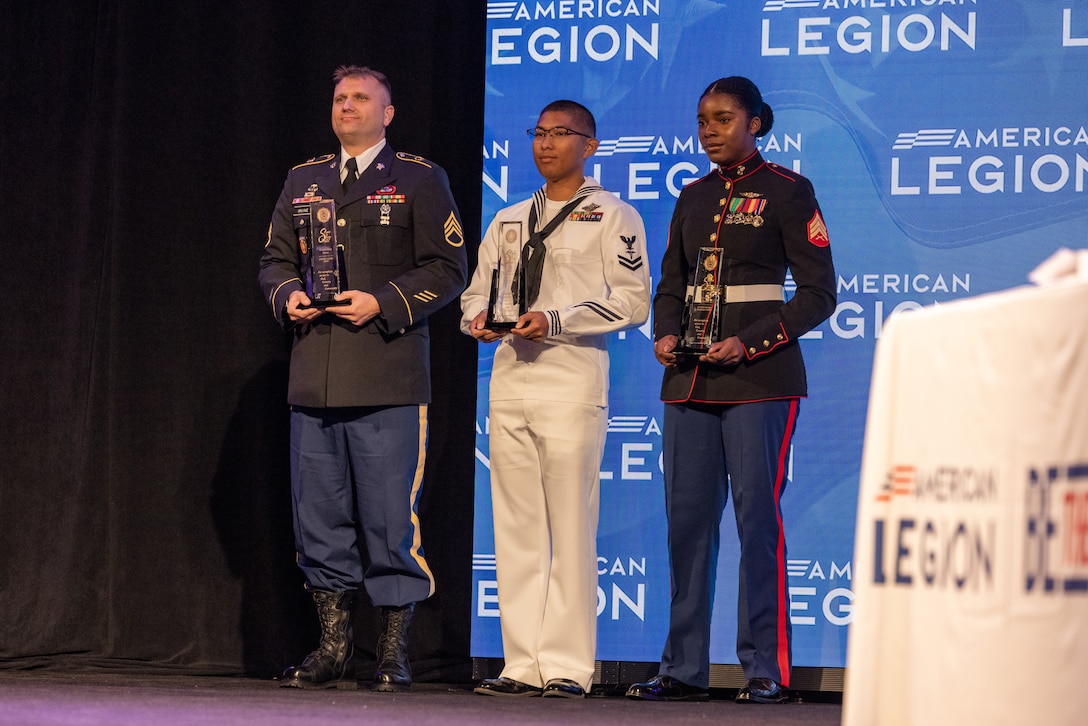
(584, 276)
(360, 374)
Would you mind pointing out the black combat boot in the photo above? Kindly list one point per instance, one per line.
(394, 673)
(331, 661)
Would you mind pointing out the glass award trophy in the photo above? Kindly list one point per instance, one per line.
(316, 225)
(507, 301)
(700, 326)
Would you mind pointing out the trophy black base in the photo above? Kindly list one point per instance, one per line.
(321, 304)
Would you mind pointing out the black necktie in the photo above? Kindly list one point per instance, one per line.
(532, 254)
(352, 166)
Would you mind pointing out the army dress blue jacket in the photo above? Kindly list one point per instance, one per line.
(401, 240)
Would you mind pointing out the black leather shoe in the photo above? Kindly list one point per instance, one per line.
(667, 688)
(505, 687)
(563, 688)
(762, 690)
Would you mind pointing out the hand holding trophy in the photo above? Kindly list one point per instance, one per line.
(700, 327)
(507, 301)
(315, 222)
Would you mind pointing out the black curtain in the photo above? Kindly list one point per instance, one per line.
(144, 497)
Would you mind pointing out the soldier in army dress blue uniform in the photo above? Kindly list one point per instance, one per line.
(359, 374)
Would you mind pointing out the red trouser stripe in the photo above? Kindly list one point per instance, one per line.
(783, 599)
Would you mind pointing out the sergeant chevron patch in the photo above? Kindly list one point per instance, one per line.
(454, 235)
(817, 230)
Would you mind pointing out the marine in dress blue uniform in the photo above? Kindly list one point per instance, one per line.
(730, 414)
(360, 381)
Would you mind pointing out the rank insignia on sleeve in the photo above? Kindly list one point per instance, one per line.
(630, 259)
(455, 236)
(817, 230)
(425, 296)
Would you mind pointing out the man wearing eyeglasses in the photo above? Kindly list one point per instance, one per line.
(581, 275)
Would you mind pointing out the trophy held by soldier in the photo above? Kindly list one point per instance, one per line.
(315, 222)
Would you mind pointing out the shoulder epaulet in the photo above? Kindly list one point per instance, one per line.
(315, 160)
(413, 158)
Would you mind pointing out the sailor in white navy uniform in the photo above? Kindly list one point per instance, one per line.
(549, 405)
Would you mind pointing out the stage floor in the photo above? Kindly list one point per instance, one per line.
(33, 698)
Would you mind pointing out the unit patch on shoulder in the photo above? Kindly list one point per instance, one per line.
(413, 158)
(455, 236)
(817, 230)
(630, 258)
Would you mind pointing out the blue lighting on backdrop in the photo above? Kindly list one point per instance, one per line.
(947, 144)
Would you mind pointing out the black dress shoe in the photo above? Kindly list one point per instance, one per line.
(667, 688)
(505, 687)
(762, 690)
(563, 688)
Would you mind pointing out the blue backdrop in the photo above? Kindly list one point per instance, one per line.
(948, 147)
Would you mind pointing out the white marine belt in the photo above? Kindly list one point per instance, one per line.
(749, 293)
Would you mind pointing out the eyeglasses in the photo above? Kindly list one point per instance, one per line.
(559, 132)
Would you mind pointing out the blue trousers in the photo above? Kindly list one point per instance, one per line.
(356, 474)
(707, 449)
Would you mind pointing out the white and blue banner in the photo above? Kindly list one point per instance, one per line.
(948, 144)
